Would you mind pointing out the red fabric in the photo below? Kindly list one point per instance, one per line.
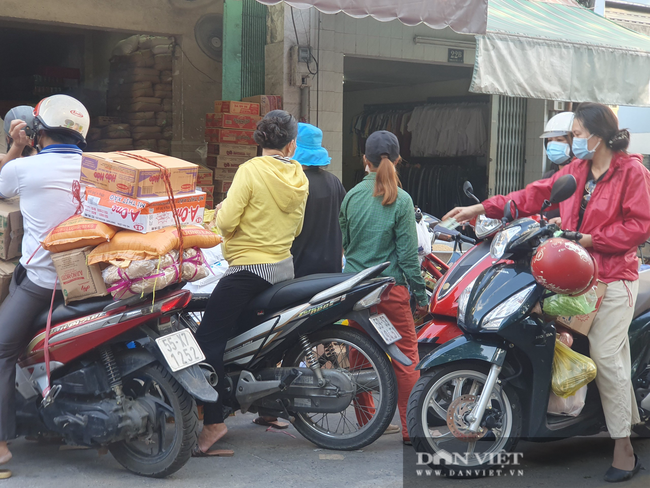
(617, 217)
(398, 311)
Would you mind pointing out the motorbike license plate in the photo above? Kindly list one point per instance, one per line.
(386, 330)
(180, 350)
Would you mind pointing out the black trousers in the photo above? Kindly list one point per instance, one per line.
(17, 313)
(226, 304)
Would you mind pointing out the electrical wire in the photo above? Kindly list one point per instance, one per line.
(193, 65)
(295, 31)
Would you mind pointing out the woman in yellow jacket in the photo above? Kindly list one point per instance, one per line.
(259, 220)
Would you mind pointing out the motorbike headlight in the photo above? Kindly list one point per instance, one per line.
(485, 226)
(501, 241)
(462, 302)
(495, 318)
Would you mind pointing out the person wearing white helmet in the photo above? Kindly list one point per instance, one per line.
(558, 138)
(44, 183)
(18, 128)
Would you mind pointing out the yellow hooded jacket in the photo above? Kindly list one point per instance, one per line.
(263, 212)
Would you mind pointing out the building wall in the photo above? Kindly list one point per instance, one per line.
(535, 151)
(194, 90)
(341, 35)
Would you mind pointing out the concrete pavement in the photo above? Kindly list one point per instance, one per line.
(268, 458)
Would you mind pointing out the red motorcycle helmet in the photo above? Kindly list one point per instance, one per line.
(564, 267)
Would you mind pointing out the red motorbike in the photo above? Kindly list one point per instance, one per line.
(124, 375)
(452, 280)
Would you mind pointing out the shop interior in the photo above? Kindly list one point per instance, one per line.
(128, 99)
(443, 129)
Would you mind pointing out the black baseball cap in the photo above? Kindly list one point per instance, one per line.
(379, 143)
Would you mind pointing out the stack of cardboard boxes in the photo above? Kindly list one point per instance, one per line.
(11, 239)
(125, 191)
(229, 134)
(140, 95)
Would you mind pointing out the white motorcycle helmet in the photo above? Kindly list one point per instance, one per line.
(558, 125)
(64, 114)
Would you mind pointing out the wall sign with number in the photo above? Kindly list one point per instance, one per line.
(455, 56)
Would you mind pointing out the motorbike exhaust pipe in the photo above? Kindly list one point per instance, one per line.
(210, 374)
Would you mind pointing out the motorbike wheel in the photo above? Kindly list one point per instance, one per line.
(459, 386)
(167, 445)
(342, 431)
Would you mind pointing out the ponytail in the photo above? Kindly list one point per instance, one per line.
(387, 181)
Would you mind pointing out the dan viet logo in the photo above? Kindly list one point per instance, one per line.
(499, 464)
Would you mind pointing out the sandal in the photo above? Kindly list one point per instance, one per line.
(392, 429)
(212, 453)
(270, 423)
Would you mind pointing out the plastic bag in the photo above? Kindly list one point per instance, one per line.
(569, 407)
(424, 239)
(78, 232)
(571, 371)
(129, 245)
(142, 277)
(566, 306)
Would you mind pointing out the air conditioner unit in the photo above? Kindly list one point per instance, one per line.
(559, 106)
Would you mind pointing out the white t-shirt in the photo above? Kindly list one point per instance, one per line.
(3, 138)
(44, 184)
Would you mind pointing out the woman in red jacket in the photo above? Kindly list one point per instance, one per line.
(612, 210)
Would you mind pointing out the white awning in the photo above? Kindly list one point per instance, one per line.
(463, 16)
(560, 52)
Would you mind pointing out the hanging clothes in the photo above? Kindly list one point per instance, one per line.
(449, 130)
(395, 121)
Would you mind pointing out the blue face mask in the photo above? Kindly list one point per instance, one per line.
(581, 147)
(558, 152)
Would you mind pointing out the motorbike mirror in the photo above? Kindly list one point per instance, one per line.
(563, 188)
(468, 190)
(510, 212)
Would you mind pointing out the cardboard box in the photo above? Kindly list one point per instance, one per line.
(103, 120)
(222, 186)
(230, 136)
(6, 273)
(78, 280)
(267, 102)
(119, 173)
(204, 177)
(231, 150)
(209, 196)
(224, 174)
(232, 121)
(243, 108)
(219, 197)
(11, 229)
(581, 324)
(142, 214)
(229, 162)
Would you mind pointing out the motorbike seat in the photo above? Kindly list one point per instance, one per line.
(643, 298)
(286, 293)
(62, 313)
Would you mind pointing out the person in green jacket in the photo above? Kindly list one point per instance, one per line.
(378, 225)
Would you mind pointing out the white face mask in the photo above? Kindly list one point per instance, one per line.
(367, 169)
